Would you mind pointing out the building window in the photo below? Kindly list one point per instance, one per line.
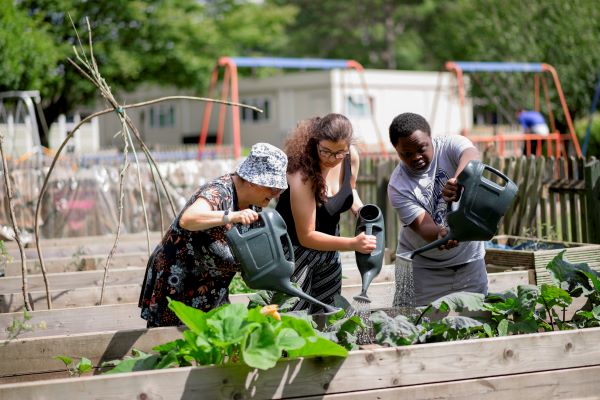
(253, 116)
(357, 105)
(162, 116)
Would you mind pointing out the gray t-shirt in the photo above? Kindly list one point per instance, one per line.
(413, 194)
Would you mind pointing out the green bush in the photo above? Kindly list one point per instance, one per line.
(594, 144)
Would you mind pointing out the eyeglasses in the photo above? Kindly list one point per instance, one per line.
(274, 191)
(337, 155)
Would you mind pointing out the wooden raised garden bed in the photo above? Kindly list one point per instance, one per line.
(80, 289)
(561, 365)
(67, 321)
(534, 254)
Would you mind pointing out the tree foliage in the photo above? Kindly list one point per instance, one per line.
(167, 42)
(22, 44)
(424, 34)
(377, 33)
(561, 33)
(176, 42)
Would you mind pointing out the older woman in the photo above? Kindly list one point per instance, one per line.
(193, 263)
(322, 171)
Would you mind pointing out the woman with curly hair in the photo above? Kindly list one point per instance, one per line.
(322, 170)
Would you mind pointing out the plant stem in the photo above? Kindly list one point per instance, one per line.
(423, 314)
(549, 313)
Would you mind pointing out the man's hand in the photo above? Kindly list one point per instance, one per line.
(451, 243)
(451, 191)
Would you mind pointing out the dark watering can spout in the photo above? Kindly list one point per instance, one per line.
(370, 221)
(482, 205)
(262, 258)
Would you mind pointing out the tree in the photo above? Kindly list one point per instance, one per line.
(21, 43)
(377, 33)
(564, 34)
(167, 42)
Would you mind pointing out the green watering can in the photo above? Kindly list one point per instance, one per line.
(260, 254)
(482, 205)
(370, 221)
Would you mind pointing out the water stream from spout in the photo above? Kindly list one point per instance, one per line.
(363, 310)
(404, 298)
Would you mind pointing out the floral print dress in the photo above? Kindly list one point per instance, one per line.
(195, 268)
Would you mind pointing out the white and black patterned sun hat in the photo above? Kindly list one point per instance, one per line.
(266, 165)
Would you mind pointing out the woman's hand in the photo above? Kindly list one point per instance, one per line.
(364, 243)
(451, 243)
(451, 190)
(244, 217)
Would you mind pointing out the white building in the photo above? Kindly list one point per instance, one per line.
(290, 97)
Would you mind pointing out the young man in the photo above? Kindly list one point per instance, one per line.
(420, 190)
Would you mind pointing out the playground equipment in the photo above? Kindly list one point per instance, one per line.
(459, 68)
(230, 80)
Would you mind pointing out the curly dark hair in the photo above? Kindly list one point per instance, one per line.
(405, 124)
(301, 148)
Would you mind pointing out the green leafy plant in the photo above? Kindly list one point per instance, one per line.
(20, 326)
(263, 298)
(233, 334)
(260, 336)
(238, 285)
(594, 141)
(76, 369)
(78, 258)
(525, 309)
(343, 329)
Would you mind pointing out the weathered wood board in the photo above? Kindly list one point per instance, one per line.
(79, 263)
(82, 260)
(554, 356)
(83, 240)
(135, 274)
(120, 291)
(65, 321)
(537, 260)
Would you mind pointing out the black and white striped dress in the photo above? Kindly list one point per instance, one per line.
(319, 274)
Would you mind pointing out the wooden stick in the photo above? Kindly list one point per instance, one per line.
(13, 220)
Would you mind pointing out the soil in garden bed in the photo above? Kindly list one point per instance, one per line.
(520, 243)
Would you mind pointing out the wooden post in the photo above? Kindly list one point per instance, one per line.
(508, 219)
(564, 221)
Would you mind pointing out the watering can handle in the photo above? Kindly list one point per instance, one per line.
(495, 171)
(247, 235)
(290, 246)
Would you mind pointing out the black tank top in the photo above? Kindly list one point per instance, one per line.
(328, 214)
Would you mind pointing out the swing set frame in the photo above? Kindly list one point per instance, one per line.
(230, 81)
(555, 141)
